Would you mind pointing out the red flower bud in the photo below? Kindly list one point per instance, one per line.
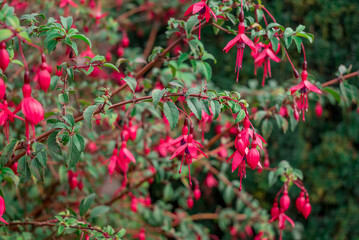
(246, 123)
(2, 210)
(80, 185)
(190, 202)
(44, 77)
(142, 235)
(2, 89)
(120, 51)
(318, 110)
(285, 200)
(125, 41)
(283, 111)
(300, 202)
(197, 193)
(92, 147)
(32, 109)
(307, 209)
(134, 204)
(4, 57)
(253, 157)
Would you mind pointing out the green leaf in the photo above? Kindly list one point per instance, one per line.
(25, 36)
(83, 38)
(86, 203)
(275, 44)
(79, 142)
(8, 151)
(73, 155)
(267, 128)
(110, 65)
(5, 34)
(10, 176)
(332, 92)
(17, 62)
(63, 98)
(54, 81)
(157, 95)
(121, 233)
(192, 91)
(171, 112)
(216, 108)
(176, 83)
(23, 169)
(53, 144)
(196, 107)
(88, 113)
(37, 169)
(131, 82)
(272, 178)
(240, 116)
(99, 210)
(69, 119)
(298, 42)
(66, 22)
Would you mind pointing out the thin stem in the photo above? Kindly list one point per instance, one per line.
(286, 53)
(270, 15)
(22, 54)
(305, 58)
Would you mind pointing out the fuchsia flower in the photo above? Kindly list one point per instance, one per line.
(65, 3)
(197, 193)
(241, 40)
(300, 202)
(283, 111)
(282, 218)
(44, 77)
(304, 87)
(204, 13)
(4, 57)
(318, 109)
(243, 152)
(72, 179)
(210, 181)
(285, 200)
(97, 13)
(188, 150)
(206, 119)
(265, 56)
(2, 210)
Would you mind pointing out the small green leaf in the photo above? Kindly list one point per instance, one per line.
(157, 95)
(54, 81)
(17, 62)
(86, 203)
(240, 116)
(83, 38)
(5, 34)
(216, 108)
(69, 119)
(52, 143)
(88, 113)
(195, 106)
(131, 82)
(110, 65)
(267, 128)
(171, 112)
(73, 156)
(8, 151)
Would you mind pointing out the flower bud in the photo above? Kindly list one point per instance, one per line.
(300, 202)
(318, 110)
(120, 51)
(307, 209)
(285, 200)
(31, 108)
(197, 193)
(283, 111)
(125, 41)
(4, 57)
(134, 204)
(44, 77)
(190, 202)
(92, 147)
(253, 157)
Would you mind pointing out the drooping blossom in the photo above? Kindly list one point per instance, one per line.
(283, 111)
(307, 208)
(97, 13)
(190, 202)
(188, 148)
(241, 40)
(197, 193)
(285, 200)
(205, 120)
(210, 181)
(304, 87)
(318, 109)
(300, 202)
(64, 3)
(4, 57)
(265, 56)
(2, 89)
(282, 218)
(204, 11)
(243, 153)
(2, 210)
(44, 77)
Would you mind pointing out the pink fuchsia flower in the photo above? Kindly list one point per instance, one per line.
(189, 150)
(32, 109)
(285, 200)
(307, 208)
(304, 87)
(44, 77)
(265, 57)
(300, 202)
(113, 161)
(204, 11)
(210, 181)
(124, 158)
(97, 14)
(241, 40)
(318, 109)
(65, 3)
(282, 218)
(197, 193)
(190, 202)
(283, 111)
(72, 179)
(4, 57)
(2, 210)
(206, 119)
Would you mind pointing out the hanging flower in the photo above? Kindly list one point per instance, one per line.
(265, 56)
(304, 87)
(204, 13)
(4, 57)
(2, 210)
(241, 40)
(7, 116)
